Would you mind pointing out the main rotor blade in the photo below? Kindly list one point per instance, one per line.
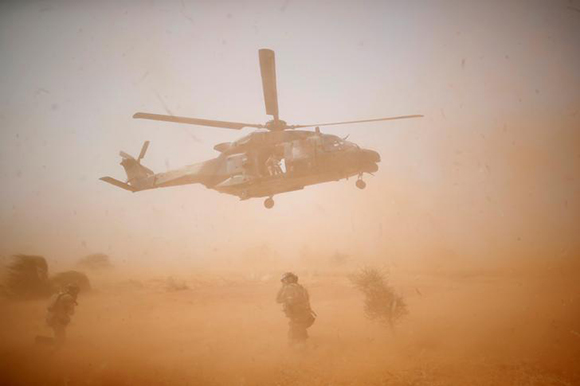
(196, 121)
(366, 120)
(268, 71)
(143, 150)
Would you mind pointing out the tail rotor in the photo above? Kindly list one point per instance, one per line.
(137, 174)
(143, 151)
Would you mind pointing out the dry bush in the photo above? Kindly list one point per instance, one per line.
(339, 259)
(96, 261)
(27, 277)
(60, 280)
(175, 285)
(382, 304)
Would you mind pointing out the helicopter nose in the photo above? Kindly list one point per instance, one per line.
(372, 155)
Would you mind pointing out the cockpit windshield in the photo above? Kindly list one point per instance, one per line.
(333, 143)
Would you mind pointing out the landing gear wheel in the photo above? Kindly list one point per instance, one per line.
(269, 203)
(361, 184)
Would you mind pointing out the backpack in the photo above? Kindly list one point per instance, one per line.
(54, 301)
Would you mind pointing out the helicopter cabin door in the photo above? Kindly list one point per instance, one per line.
(288, 157)
(300, 155)
(236, 164)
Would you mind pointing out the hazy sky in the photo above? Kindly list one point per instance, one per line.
(493, 168)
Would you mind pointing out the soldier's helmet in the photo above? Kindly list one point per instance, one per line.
(72, 288)
(289, 277)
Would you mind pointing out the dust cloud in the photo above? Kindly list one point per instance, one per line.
(474, 211)
(509, 324)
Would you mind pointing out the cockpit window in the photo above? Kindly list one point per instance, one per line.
(332, 143)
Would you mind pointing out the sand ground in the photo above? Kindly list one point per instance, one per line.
(507, 326)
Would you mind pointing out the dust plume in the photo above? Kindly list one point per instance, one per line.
(473, 214)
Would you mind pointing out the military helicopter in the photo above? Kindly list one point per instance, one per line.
(276, 158)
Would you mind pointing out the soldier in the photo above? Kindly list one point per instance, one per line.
(296, 305)
(273, 165)
(60, 309)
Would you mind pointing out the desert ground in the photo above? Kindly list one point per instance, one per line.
(511, 324)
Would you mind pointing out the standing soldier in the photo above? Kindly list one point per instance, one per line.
(60, 309)
(273, 165)
(296, 305)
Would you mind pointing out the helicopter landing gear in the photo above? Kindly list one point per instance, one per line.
(269, 203)
(360, 184)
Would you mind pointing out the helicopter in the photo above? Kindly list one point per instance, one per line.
(276, 158)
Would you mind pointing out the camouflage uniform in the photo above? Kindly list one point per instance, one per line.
(61, 308)
(296, 304)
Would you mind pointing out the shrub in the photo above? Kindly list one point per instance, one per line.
(382, 304)
(27, 277)
(61, 279)
(96, 261)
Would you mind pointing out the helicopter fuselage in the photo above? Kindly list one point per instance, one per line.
(264, 164)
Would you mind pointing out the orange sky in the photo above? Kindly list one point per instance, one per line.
(491, 169)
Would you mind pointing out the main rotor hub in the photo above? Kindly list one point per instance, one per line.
(276, 125)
